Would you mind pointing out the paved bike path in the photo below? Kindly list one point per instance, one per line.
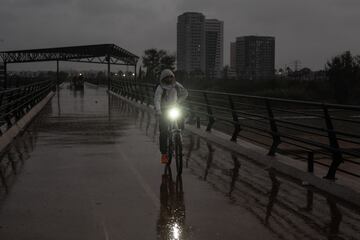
(90, 170)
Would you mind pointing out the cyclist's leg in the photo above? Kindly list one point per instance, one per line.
(178, 152)
(163, 127)
(181, 123)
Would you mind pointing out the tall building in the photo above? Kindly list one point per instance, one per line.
(233, 55)
(214, 42)
(191, 42)
(255, 57)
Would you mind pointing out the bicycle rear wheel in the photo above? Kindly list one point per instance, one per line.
(178, 154)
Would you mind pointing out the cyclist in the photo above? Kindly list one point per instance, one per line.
(167, 93)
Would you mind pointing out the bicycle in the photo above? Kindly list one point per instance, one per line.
(175, 138)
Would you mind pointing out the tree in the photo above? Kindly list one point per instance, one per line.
(155, 61)
(150, 61)
(342, 71)
(167, 62)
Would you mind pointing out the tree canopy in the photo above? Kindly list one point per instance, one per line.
(344, 74)
(155, 61)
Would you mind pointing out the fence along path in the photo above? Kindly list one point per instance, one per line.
(319, 133)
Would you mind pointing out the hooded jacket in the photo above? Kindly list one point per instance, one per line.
(168, 94)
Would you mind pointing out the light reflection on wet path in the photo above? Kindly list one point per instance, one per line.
(89, 170)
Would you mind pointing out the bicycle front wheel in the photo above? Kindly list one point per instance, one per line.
(178, 154)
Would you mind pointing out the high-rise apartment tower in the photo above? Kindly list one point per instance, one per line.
(255, 57)
(214, 45)
(191, 42)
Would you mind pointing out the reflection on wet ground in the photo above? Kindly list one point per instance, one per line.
(171, 223)
(13, 159)
(90, 170)
(70, 124)
(281, 204)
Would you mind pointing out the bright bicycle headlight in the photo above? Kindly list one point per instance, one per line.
(174, 113)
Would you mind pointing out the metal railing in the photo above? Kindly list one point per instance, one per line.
(321, 133)
(16, 102)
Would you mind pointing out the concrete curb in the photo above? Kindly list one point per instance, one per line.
(20, 125)
(279, 162)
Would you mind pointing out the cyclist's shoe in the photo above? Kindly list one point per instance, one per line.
(164, 159)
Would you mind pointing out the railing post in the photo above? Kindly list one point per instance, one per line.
(122, 88)
(210, 113)
(334, 145)
(21, 111)
(274, 130)
(35, 93)
(27, 93)
(141, 93)
(114, 86)
(148, 96)
(127, 90)
(5, 76)
(235, 119)
(3, 179)
(8, 109)
(197, 122)
(133, 92)
(139, 96)
(1, 98)
(310, 162)
(15, 109)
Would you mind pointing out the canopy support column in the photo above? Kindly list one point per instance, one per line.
(57, 75)
(108, 72)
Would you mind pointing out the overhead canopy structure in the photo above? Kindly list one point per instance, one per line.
(101, 53)
(109, 54)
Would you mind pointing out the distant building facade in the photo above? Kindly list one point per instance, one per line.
(233, 56)
(255, 57)
(200, 45)
(191, 42)
(214, 48)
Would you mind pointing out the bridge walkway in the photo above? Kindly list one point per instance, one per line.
(88, 168)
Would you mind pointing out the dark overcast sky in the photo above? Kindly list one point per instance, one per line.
(311, 31)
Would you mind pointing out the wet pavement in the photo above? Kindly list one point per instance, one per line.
(87, 169)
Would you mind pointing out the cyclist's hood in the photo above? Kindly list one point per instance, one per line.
(165, 74)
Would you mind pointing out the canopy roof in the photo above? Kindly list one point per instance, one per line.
(100, 53)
